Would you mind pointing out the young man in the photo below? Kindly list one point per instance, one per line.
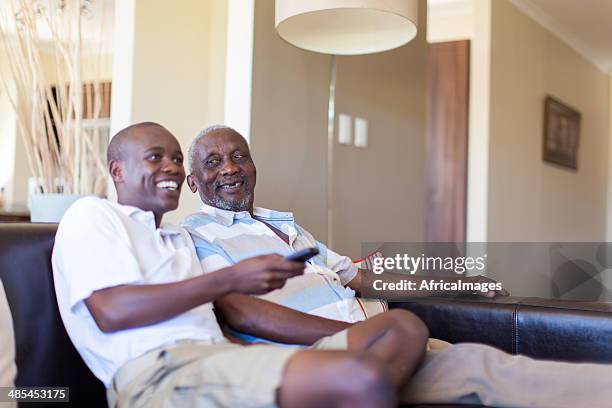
(138, 308)
(228, 229)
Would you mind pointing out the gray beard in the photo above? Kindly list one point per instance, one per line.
(243, 205)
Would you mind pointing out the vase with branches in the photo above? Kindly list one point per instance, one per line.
(46, 52)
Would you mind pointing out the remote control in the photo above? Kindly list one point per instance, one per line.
(303, 255)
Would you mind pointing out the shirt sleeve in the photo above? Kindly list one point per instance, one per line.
(92, 251)
(342, 265)
(211, 256)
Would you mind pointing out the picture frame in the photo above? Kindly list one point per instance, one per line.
(561, 137)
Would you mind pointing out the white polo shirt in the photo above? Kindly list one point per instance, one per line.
(100, 244)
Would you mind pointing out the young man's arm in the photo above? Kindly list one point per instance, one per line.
(271, 321)
(128, 306)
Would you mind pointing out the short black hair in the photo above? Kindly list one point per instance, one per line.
(115, 147)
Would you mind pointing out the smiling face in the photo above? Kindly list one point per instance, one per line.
(223, 172)
(149, 173)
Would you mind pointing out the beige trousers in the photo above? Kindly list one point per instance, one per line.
(478, 374)
(193, 374)
(231, 375)
(196, 374)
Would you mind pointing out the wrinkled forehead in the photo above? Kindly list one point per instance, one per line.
(223, 141)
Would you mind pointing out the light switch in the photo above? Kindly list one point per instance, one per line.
(361, 132)
(344, 129)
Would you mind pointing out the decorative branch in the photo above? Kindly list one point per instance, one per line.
(61, 154)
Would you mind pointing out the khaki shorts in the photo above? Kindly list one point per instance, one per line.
(338, 341)
(196, 374)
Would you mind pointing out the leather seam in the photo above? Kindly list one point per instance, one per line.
(513, 331)
(607, 311)
(515, 327)
(566, 309)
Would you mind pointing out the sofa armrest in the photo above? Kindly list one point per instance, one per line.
(45, 355)
(539, 328)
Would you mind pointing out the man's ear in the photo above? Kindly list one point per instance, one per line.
(191, 183)
(114, 168)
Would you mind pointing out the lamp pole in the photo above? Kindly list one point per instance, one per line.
(331, 120)
(344, 27)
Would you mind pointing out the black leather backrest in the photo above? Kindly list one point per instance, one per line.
(45, 354)
(562, 334)
(473, 322)
(539, 328)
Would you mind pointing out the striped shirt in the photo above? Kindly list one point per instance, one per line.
(223, 238)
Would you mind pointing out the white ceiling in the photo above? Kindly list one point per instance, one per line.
(97, 24)
(586, 25)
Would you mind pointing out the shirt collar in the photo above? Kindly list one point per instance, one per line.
(223, 217)
(283, 221)
(227, 217)
(271, 215)
(147, 218)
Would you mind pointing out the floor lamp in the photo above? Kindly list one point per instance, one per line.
(344, 27)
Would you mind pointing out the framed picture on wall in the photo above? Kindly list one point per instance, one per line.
(561, 133)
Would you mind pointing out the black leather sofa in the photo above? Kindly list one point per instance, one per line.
(539, 328)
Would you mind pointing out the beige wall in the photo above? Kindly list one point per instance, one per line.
(478, 124)
(177, 70)
(530, 200)
(379, 190)
(288, 123)
(609, 204)
(451, 21)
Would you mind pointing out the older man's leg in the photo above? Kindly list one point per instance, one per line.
(479, 374)
(320, 378)
(398, 337)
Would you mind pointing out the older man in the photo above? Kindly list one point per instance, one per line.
(137, 307)
(229, 229)
(321, 302)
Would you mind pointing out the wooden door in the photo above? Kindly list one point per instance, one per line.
(446, 141)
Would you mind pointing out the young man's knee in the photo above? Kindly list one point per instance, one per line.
(371, 382)
(338, 379)
(408, 325)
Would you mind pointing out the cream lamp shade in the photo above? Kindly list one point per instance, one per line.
(347, 27)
